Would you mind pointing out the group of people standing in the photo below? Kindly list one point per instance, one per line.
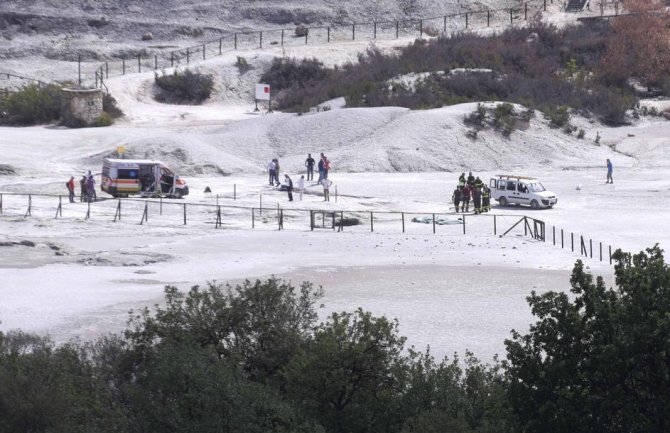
(323, 167)
(86, 185)
(468, 188)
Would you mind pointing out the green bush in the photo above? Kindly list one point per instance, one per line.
(558, 116)
(31, 105)
(103, 120)
(184, 87)
(109, 106)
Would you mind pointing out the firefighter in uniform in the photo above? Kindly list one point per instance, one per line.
(486, 199)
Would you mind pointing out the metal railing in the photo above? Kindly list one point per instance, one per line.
(175, 213)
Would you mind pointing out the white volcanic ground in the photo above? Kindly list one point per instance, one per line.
(449, 290)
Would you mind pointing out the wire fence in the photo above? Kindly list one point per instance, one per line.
(178, 213)
(10, 83)
(376, 30)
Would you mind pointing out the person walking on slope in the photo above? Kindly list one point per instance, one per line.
(326, 188)
(477, 199)
(70, 188)
(271, 172)
(609, 171)
(301, 186)
(456, 197)
(309, 163)
(289, 187)
(465, 199)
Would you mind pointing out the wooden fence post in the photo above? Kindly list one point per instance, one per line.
(117, 214)
(234, 191)
(184, 213)
(220, 42)
(139, 64)
(260, 39)
(30, 205)
(188, 55)
(145, 214)
(282, 37)
(253, 219)
(420, 28)
(204, 51)
(402, 214)
(172, 59)
(463, 223)
(353, 32)
(488, 17)
(372, 225)
(123, 65)
(0, 204)
(433, 223)
(572, 242)
(397, 29)
(328, 40)
(610, 247)
(495, 225)
(374, 32)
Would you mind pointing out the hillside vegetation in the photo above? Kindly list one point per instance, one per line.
(540, 67)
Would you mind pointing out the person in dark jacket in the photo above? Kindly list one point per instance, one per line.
(461, 179)
(82, 184)
(309, 163)
(456, 197)
(320, 167)
(477, 199)
(465, 199)
(486, 199)
(478, 183)
(289, 186)
(471, 179)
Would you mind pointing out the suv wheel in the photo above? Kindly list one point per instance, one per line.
(534, 204)
(502, 201)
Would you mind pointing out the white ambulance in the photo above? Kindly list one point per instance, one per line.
(521, 190)
(123, 177)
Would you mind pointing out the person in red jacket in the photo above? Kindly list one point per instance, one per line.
(70, 188)
(465, 198)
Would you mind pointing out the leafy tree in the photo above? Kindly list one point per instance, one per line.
(52, 389)
(601, 361)
(257, 325)
(346, 377)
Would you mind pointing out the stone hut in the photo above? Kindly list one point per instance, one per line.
(81, 106)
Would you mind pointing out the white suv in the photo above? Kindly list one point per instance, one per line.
(510, 189)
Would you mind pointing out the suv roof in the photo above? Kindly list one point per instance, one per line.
(513, 176)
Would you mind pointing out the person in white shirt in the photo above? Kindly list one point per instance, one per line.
(326, 186)
(271, 171)
(301, 185)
